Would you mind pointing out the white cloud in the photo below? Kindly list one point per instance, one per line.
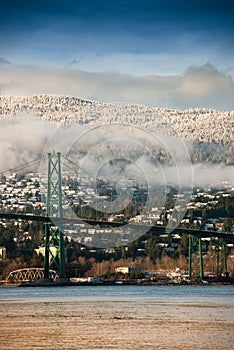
(22, 140)
(203, 86)
(206, 86)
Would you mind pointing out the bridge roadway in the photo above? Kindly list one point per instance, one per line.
(157, 230)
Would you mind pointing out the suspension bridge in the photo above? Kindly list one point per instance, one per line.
(54, 262)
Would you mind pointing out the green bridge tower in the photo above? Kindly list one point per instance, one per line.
(54, 239)
(195, 260)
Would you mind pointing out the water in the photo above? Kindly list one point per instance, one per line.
(221, 294)
(117, 317)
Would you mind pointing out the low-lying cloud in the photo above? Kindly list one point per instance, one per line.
(26, 139)
(22, 141)
(203, 86)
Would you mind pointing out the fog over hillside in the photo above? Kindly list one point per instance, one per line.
(28, 122)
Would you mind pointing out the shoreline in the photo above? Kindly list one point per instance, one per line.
(116, 283)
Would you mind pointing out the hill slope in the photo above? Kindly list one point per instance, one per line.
(209, 131)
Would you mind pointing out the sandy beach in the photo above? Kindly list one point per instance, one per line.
(119, 325)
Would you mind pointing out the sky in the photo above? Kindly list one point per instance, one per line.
(175, 54)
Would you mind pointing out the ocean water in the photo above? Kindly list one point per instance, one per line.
(117, 317)
(119, 292)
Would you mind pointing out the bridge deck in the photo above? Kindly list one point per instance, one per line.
(158, 230)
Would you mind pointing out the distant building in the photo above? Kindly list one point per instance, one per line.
(127, 269)
(41, 250)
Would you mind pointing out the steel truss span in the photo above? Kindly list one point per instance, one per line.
(29, 275)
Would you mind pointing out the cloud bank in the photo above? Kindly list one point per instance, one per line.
(27, 139)
(22, 141)
(203, 86)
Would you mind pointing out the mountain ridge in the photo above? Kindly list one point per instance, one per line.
(201, 127)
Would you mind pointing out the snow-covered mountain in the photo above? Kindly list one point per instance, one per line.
(210, 131)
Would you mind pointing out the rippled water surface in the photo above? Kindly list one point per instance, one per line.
(117, 317)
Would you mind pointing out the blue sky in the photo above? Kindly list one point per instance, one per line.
(135, 38)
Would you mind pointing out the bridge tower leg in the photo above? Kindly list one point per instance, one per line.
(221, 257)
(54, 239)
(225, 257)
(195, 257)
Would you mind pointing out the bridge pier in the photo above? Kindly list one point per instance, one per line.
(195, 260)
(195, 257)
(221, 257)
(54, 251)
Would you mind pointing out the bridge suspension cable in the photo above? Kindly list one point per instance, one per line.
(20, 167)
(70, 162)
(78, 168)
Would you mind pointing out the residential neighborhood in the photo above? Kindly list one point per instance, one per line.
(208, 209)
